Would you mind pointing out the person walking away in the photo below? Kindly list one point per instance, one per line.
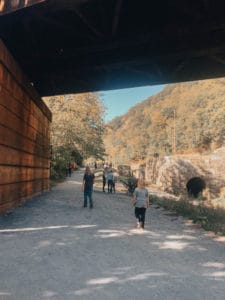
(140, 202)
(114, 184)
(70, 169)
(87, 187)
(110, 179)
(67, 171)
(103, 181)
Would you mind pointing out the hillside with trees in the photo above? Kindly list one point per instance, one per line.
(76, 131)
(182, 118)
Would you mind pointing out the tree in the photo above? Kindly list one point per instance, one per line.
(77, 126)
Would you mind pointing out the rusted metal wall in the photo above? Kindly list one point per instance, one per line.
(24, 136)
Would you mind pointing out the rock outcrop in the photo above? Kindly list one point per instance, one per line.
(192, 174)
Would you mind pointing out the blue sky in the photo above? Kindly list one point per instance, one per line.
(118, 102)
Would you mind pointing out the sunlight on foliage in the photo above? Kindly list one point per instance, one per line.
(182, 118)
(76, 131)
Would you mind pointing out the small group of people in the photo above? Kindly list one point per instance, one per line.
(140, 199)
(110, 179)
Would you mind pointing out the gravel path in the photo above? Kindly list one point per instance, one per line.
(53, 248)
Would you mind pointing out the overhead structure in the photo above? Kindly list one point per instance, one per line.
(8, 6)
(69, 46)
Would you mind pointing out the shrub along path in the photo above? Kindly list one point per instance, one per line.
(53, 248)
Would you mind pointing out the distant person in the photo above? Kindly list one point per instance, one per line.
(140, 202)
(110, 181)
(96, 165)
(67, 171)
(70, 169)
(114, 184)
(103, 181)
(73, 166)
(87, 187)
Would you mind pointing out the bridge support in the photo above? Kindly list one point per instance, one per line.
(24, 136)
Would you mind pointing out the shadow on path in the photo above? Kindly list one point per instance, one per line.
(53, 248)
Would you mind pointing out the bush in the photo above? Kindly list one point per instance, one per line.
(60, 158)
(130, 183)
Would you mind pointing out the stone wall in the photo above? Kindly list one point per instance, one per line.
(24, 136)
(172, 174)
(138, 170)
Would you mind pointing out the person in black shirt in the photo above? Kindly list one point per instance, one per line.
(103, 181)
(87, 187)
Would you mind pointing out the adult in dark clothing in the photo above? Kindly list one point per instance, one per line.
(103, 181)
(114, 185)
(70, 169)
(87, 187)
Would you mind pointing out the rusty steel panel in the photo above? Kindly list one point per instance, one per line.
(24, 137)
(14, 194)
(11, 157)
(12, 76)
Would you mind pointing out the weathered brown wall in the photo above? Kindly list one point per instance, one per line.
(24, 136)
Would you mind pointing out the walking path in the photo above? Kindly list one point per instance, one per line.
(53, 248)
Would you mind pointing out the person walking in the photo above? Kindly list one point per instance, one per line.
(110, 181)
(103, 181)
(70, 169)
(140, 202)
(87, 187)
(114, 184)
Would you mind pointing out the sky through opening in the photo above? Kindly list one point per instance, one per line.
(118, 102)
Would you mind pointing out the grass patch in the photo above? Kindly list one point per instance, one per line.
(211, 218)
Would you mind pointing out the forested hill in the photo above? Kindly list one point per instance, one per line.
(184, 117)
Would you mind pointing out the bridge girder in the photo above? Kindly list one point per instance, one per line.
(67, 46)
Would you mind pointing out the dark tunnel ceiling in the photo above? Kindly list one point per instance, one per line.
(71, 46)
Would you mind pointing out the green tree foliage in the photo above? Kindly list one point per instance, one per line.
(77, 129)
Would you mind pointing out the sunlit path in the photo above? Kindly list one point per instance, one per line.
(53, 248)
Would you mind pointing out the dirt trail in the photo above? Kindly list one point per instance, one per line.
(53, 248)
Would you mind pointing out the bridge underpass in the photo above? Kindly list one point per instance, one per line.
(50, 247)
(78, 46)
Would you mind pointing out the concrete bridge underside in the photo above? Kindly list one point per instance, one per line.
(69, 46)
(51, 47)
